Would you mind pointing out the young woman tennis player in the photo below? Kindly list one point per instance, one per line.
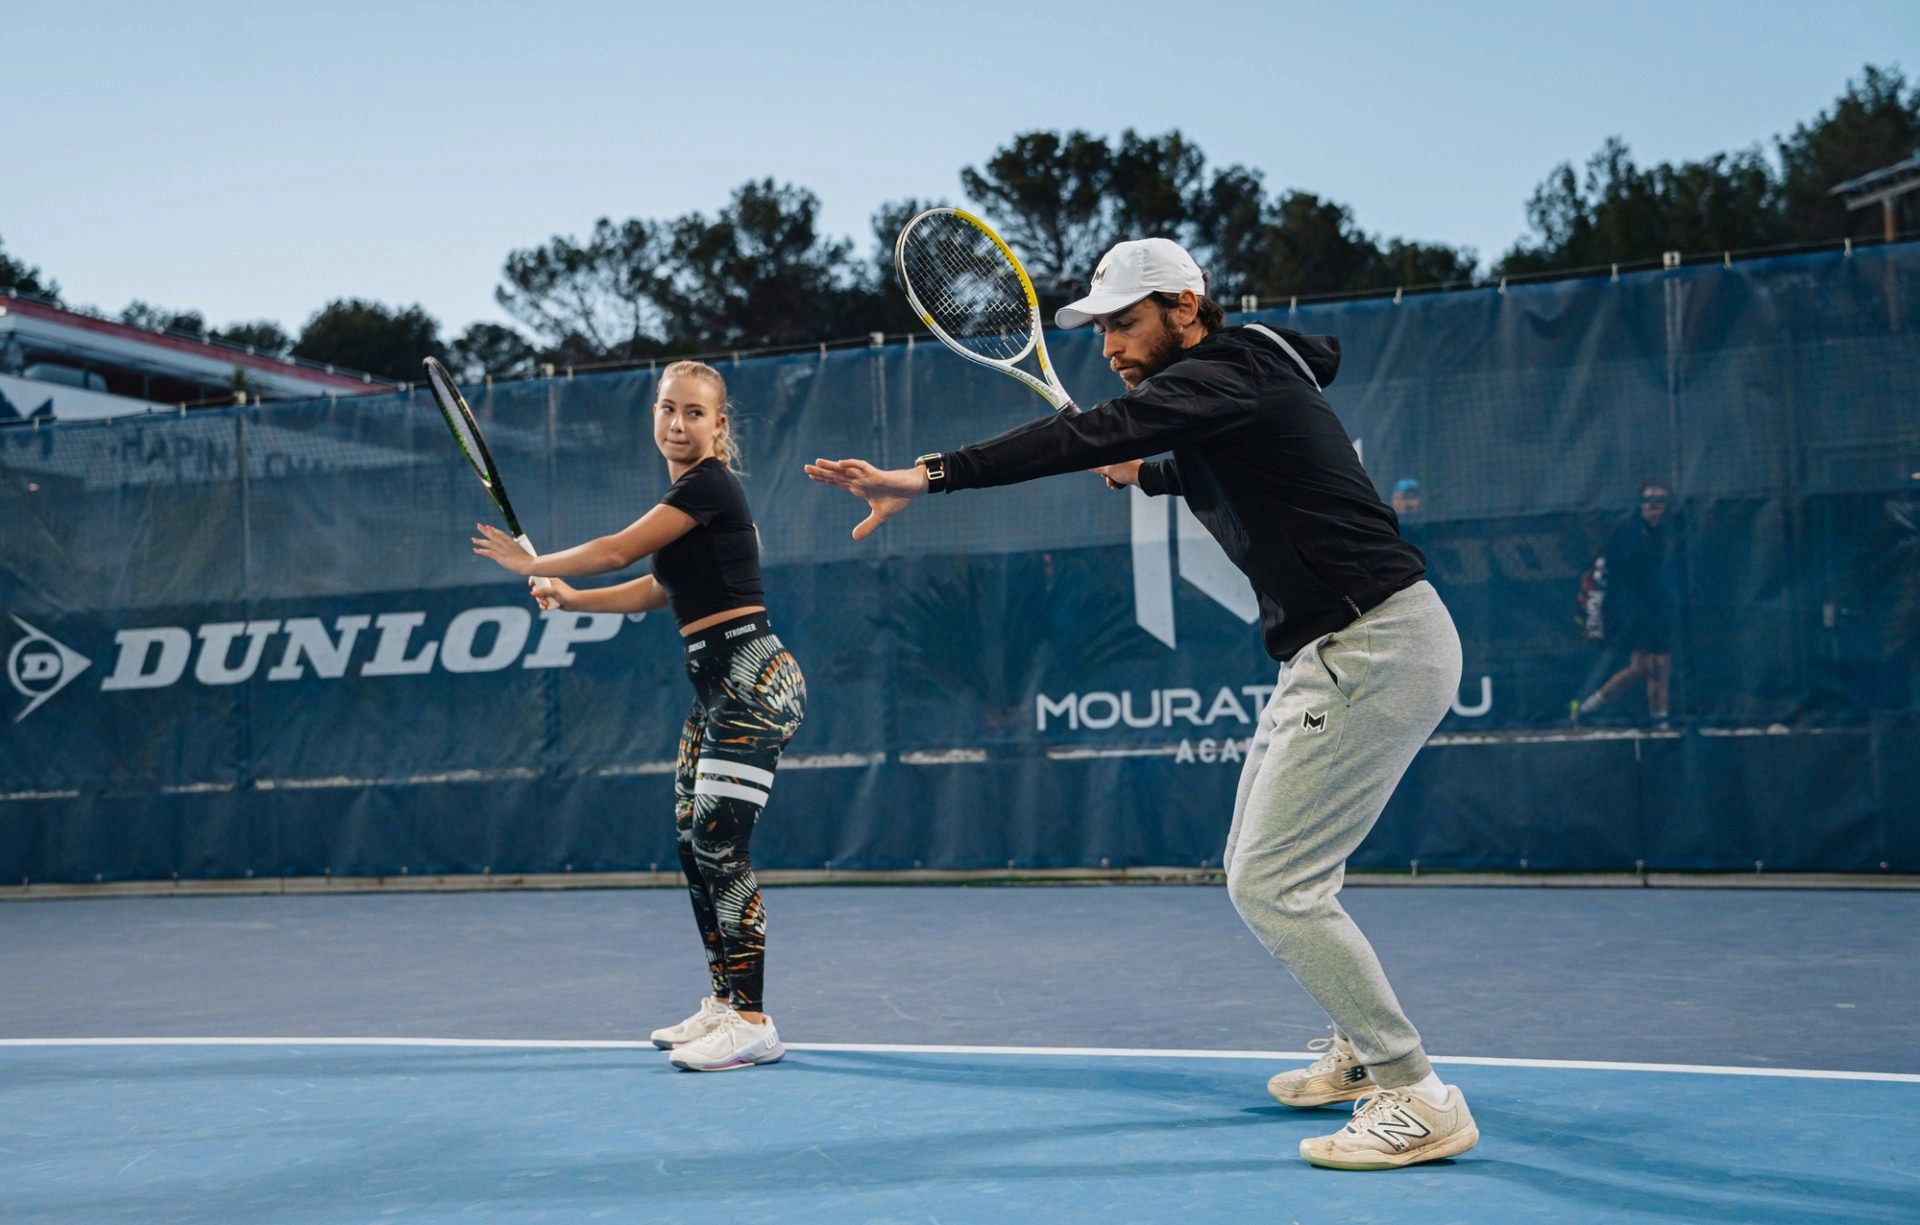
(749, 696)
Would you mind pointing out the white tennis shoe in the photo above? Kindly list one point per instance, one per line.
(1337, 1076)
(698, 1025)
(1393, 1128)
(734, 1043)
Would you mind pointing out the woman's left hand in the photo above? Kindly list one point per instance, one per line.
(552, 594)
(502, 548)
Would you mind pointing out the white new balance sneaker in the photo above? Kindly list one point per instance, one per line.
(1395, 1127)
(698, 1025)
(1337, 1076)
(734, 1043)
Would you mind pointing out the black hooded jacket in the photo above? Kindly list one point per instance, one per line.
(1262, 461)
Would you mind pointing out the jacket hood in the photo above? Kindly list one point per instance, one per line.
(1321, 353)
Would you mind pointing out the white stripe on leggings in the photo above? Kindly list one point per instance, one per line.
(734, 769)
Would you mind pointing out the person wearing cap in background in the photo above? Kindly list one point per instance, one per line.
(1369, 659)
(1407, 519)
(1406, 497)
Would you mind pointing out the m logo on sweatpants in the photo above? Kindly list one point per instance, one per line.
(1313, 722)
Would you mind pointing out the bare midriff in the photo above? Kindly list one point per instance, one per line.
(693, 627)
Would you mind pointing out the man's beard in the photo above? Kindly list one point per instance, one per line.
(1164, 353)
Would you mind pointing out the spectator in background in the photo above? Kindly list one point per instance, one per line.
(1643, 600)
(1406, 497)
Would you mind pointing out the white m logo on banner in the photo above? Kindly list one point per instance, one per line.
(1202, 562)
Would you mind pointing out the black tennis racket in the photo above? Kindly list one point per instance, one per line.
(473, 445)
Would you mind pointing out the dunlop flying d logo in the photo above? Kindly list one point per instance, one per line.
(39, 667)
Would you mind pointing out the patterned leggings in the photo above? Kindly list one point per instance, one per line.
(749, 701)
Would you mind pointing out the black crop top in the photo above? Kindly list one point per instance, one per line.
(716, 566)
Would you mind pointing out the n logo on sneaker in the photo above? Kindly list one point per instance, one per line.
(1313, 722)
(1399, 1129)
(1355, 1074)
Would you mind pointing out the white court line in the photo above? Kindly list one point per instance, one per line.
(883, 1048)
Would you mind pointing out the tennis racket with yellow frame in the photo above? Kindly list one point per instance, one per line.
(968, 287)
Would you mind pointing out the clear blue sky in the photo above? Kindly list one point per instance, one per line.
(255, 160)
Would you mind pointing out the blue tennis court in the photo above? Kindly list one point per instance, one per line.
(305, 1132)
(958, 1054)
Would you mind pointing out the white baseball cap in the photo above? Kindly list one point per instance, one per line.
(1130, 272)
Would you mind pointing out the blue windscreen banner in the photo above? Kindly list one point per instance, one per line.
(255, 642)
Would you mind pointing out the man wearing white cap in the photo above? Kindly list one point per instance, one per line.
(1369, 660)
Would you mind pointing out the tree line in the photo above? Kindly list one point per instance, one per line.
(758, 273)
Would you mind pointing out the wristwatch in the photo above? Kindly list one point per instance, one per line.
(936, 466)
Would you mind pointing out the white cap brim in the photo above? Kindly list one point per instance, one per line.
(1093, 306)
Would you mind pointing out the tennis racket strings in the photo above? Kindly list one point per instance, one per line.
(968, 287)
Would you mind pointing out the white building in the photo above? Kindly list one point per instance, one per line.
(59, 364)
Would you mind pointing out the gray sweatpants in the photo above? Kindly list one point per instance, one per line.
(1346, 717)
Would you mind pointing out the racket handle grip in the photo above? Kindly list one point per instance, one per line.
(526, 544)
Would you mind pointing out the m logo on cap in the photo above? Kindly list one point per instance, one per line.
(1131, 271)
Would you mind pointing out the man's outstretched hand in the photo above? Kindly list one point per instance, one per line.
(885, 491)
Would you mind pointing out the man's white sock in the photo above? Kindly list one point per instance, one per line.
(1432, 1090)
